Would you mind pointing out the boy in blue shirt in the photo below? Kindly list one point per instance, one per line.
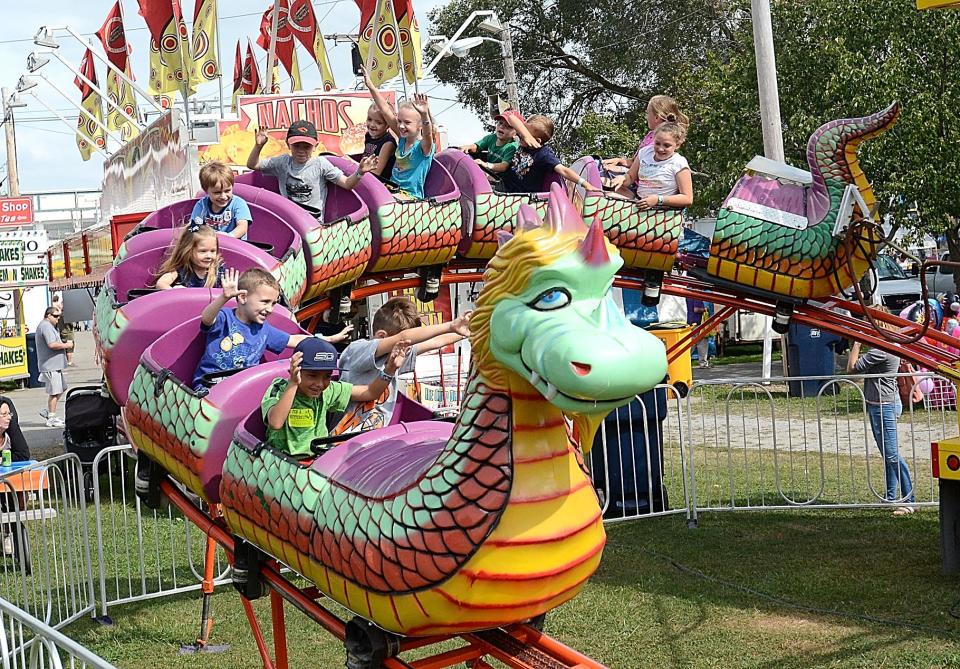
(237, 338)
(295, 410)
(220, 208)
(415, 149)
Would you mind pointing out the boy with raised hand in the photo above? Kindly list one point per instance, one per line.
(303, 177)
(397, 320)
(236, 338)
(495, 151)
(534, 160)
(295, 410)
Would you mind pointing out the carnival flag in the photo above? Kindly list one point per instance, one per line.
(168, 47)
(89, 133)
(410, 48)
(286, 48)
(237, 76)
(378, 40)
(120, 92)
(206, 66)
(251, 75)
(304, 26)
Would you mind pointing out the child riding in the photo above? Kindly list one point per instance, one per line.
(195, 260)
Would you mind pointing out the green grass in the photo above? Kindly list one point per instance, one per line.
(767, 589)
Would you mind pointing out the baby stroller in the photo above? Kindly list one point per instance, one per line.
(90, 427)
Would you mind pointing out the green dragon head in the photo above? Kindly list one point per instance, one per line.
(547, 315)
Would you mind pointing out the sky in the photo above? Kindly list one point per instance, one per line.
(47, 155)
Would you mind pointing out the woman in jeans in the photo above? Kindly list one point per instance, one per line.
(883, 407)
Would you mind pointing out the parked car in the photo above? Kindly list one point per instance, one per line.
(940, 279)
(896, 289)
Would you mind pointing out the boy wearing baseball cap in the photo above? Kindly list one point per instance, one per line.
(495, 151)
(303, 178)
(295, 410)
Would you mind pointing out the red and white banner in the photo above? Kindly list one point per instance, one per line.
(16, 211)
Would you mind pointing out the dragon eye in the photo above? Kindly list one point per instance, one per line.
(548, 300)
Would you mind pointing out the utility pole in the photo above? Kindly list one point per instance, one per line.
(12, 177)
(509, 73)
(767, 80)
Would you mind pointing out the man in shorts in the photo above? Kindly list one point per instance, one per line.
(52, 360)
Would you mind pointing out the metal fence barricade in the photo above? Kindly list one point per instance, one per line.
(29, 643)
(637, 460)
(141, 553)
(46, 569)
(775, 443)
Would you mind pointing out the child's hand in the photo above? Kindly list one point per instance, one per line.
(618, 182)
(342, 335)
(367, 163)
(295, 362)
(261, 138)
(422, 104)
(229, 282)
(398, 356)
(367, 81)
(647, 202)
(461, 326)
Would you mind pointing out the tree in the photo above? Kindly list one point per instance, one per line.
(570, 62)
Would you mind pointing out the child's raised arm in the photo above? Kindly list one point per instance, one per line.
(253, 160)
(230, 290)
(277, 415)
(460, 326)
(369, 393)
(388, 114)
(422, 104)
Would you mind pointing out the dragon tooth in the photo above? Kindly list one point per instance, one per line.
(534, 378)
(551, 392)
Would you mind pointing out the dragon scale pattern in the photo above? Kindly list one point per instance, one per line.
(417, 233)
(339, 254)
(646, 239)
(496, 212)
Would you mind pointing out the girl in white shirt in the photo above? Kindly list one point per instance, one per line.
(661, 175)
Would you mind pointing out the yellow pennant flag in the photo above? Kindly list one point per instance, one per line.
(89, 133)
(121, 93)
(296, 83)
(304, 26)
(169, 47)
(206, 67)
(378, 41)
(410, 47)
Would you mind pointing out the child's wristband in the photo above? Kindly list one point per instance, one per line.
(386, 377)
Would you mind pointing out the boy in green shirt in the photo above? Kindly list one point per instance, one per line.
(295, 410)
(496, 149)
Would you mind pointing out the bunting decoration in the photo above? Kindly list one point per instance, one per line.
(411, 50)
(378, 40)
(251, 74)
(237, 77)
(168, 47)
(286, 49)
(304, 26)
(206, 67)
(120, 92)
(89, 134)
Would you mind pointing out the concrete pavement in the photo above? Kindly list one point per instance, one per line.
(47, 442)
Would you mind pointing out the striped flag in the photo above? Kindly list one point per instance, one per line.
(237, 77)
(251, 74)
(168, 47)
(378, 40)
(303, 25)
(206, 67)
(410, 46)
(89, 134)
(286, 48)
(114, 41)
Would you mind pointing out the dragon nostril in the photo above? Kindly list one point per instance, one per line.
(580, 369)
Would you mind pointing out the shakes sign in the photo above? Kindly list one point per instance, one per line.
(340, 119)
(23, 259)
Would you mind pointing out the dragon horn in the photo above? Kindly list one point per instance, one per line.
(503, 237)
(561, 216)
(593, 248)
(527, 218)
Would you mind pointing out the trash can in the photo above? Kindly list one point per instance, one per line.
(628, 468)
(810, 352)
(33, 367)
(680, 371)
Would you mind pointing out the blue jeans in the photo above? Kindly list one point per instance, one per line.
(883, 421)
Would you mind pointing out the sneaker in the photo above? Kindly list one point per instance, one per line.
(44, 414)
(54, 421)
